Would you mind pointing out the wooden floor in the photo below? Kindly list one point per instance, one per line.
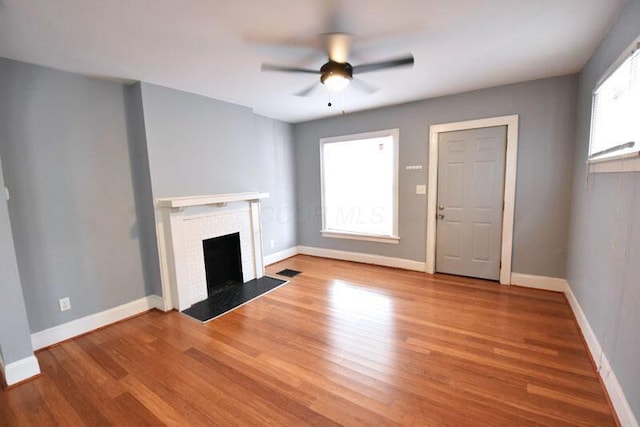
(343, 343)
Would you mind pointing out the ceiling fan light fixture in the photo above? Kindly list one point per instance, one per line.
(336, 82)
(336, 75)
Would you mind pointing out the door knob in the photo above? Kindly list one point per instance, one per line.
(441, 207)
(440, 216)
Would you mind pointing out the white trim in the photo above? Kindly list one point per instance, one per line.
(256, 222)
(360, 236)
(20, 370)
(157, 302)
(509, 187)
(616, 394)
(167, 270)
(181, 202)
(405, 264)
(89, 323)
(625, 163)
(539, 282)
(585, 327)
(614, 157)
(281, 255)
(395, 134)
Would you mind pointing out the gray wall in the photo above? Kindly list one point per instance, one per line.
(15, 338)
(604, 214)
(545, 156)
(140, 173)
(63, 140)
(199, 145)
(276, 173)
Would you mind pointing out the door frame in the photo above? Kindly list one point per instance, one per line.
(511, 122)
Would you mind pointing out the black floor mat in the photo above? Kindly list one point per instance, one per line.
(288, 273)
(231, 297)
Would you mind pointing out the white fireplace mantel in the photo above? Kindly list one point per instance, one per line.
(181, 202)
(184, 222)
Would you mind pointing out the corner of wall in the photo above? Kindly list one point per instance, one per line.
(142, 189)
(605, 370)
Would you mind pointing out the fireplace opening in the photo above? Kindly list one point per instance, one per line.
(222, 262)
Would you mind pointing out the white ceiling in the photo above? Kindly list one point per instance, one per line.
(215, 48)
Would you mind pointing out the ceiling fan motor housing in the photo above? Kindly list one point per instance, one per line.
(332, 68)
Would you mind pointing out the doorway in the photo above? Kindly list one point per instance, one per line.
(471, 197)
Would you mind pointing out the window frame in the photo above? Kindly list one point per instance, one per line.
(626, 162)
(380, 238)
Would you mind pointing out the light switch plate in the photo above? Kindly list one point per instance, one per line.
(421, 189)
(6, 192)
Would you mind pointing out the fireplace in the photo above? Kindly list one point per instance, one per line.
(187, 225)
(222, 262)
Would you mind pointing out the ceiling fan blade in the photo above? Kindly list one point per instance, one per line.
(271, 67)
(375, 66)
(337, 46)
(363, 86)
(308, 90)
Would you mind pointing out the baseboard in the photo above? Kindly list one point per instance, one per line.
(405, 264)
(21, 370)
(279, 256)
(86, 324)
(616, 394)
(539, 282)
(157, 302)
(587, 332)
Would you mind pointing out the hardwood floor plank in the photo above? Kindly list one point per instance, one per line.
(138, 414)
(341, 344)
(157, 405)
(73, 392)
(588, 404)
(272, 395)
(62, 412)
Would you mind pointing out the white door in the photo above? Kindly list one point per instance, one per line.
(471, 165)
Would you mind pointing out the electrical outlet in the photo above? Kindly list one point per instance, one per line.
(272, 243)
(65, 304)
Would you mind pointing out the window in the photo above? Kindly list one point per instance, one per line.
(615, 121)
(360, 186)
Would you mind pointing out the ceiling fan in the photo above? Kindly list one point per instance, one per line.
(337, 73)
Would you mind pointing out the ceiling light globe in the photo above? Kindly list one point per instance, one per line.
(336, 82)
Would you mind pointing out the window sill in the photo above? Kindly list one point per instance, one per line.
(624, 163)
(359, 236)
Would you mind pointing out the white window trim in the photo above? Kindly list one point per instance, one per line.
(509, 187)
(624, 163)
(628, 162)
(394, 237)
(360, 236)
